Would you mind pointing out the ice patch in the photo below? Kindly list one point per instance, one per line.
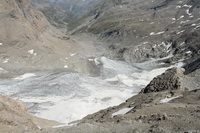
(180, 32)
(39, 127)
(145, 42)
(166, 100)
(181, 17)
(197, 27)
(96, 61)
(183, 22)
(65, 66)
(158, 33)
(182, 43)
(1, 44)
(122, 111)
(189, 6)
(72, 54)
(178, 6)
(188, 12)
(173, 18)
(27, 75)
(179, 64)
(188, 52)
(31, 51)
(5, 61)
(90, 59)
(1, 69)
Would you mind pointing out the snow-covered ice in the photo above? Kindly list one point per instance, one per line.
(122, 111)
(166, 100)
(67, 96)
(158, 33)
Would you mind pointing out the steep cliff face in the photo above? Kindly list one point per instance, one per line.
(140, 30)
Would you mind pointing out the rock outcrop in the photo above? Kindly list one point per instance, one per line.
(172, 79)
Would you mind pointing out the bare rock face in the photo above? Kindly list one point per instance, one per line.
(170, 80)
(14, 116)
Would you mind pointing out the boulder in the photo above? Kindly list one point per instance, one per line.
(172, 79)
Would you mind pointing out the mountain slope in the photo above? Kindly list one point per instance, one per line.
(77, 8)
(29, 42)
(141, 30)
(55, 14)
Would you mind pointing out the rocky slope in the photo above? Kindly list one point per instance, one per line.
(14, 118)
(140, 30)
(56, 15)
(60, 13)
(29, 43)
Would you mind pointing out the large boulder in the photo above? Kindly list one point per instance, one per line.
(170, 80)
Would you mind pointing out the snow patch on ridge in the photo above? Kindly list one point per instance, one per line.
(166, 100)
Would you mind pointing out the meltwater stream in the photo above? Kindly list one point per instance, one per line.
(66, 96)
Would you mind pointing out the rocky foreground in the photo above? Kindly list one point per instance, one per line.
(169, 103)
